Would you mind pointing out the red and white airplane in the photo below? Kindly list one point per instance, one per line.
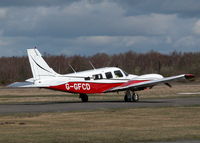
(102, 80)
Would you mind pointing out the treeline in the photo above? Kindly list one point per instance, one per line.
(18, 69)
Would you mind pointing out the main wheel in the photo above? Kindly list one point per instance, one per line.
(128, 96)
(135, 97)
(84, 97)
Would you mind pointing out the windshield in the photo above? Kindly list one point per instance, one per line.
(125, 73)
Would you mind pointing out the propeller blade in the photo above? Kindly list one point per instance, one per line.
(169, 85)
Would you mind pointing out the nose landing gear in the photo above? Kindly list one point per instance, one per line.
(131, 96)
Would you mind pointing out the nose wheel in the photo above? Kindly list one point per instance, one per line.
(131, 96)
(84, 97)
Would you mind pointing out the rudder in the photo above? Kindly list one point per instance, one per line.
(40, 69)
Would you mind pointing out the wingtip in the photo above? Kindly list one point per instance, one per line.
(189, 76)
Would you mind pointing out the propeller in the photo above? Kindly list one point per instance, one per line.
(169, 85)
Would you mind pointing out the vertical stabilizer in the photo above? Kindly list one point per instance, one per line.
(39, 67)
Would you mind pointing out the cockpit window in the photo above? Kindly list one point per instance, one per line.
(108, 75)
(97, 76)
(126, 74)
(118, 73)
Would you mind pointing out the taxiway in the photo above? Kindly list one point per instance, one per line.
(94, 105)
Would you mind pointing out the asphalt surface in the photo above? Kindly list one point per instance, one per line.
(94, 105)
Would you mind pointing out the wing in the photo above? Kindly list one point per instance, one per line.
(133, 85)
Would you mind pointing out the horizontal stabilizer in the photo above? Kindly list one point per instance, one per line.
(21, 84)
(44, 83)
(27, 84)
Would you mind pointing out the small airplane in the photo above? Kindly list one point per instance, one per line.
(101, 80)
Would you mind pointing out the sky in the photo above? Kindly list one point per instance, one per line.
(87, 27)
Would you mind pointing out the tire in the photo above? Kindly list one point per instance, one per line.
(128, 97)
(84, 97)
(135, 97)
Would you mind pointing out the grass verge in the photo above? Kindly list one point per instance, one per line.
(112, 125)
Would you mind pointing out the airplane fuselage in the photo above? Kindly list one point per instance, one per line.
(99, 80)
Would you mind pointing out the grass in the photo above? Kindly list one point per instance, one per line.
(21, 95)
(124, 125)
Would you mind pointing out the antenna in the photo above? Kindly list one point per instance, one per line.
(72, 68)
(35, 48)
(92, 65)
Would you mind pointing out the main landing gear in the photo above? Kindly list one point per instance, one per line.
(84, 97)
(131, 96)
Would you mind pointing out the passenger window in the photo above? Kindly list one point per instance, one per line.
(97, 76)
(108, 75)
(118, 73)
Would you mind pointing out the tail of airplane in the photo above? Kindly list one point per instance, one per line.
(39, 67)
(42, 73)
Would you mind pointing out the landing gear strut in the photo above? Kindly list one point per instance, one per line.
(84, 97)
(131, 96)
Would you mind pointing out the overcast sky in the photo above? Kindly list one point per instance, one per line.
(87, 27)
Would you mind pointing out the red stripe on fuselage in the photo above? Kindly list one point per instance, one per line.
(91, 87)
(85, 87)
